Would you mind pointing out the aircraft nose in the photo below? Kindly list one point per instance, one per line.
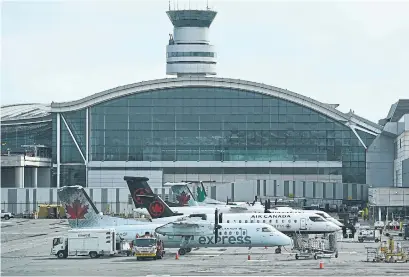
(284, 240)
(333, 227)
(338, 223)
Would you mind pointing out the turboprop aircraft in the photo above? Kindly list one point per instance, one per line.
(225, 235)
(184, 233)
(140, 186)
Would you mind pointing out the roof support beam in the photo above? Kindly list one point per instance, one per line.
(73, 138)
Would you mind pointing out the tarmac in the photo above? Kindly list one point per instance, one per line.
(26, 246)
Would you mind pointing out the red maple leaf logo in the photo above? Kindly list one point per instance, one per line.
(140, 191)
(156, 208)
(183, 198)
(77, 210)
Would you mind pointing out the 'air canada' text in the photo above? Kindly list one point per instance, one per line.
(271, 216)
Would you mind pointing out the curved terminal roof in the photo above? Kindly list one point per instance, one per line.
(25, 113)
(195, 81)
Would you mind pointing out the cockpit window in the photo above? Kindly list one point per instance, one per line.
(320, 214)
(266, 229)
(316, 219)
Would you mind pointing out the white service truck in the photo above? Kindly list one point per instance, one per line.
(6, 215)
(84, 242)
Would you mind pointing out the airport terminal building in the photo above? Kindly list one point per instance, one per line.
(250, 138)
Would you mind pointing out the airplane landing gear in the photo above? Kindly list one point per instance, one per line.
(188, 250)
(182, 251)
(278, 250)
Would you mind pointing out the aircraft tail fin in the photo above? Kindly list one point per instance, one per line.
(79, 208)
(138, 186)
(201, 193)
(203, 189)
(184, 195)
(156, 207)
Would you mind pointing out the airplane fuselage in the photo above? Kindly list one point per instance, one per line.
(249, 236)
(285, 222)
(234, 235)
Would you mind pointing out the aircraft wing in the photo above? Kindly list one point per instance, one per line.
(186, 228)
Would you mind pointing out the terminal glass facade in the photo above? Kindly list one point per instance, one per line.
(13, 137)
(217, 124)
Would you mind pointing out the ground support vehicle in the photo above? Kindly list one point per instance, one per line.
(388, 252)
(84, 242)
(148, 247)
(6, 215)
(368, 235)
(315, 247)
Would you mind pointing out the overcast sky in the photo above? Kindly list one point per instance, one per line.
(347, 53)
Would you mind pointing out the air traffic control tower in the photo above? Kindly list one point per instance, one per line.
(189, 52)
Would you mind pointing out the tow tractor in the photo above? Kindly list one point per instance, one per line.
(148, 246)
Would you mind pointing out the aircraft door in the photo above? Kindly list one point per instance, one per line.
(303, 224)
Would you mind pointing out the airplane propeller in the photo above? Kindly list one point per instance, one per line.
(217, 226)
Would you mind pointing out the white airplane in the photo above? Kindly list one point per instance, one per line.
(228, 235)
(321, 213)
(184, 233)
(289, 222)
(139, 186)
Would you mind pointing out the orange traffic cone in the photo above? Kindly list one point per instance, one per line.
(321, 264)
(248, 257)
(177, 256)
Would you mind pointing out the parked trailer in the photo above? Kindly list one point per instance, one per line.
(84, 242)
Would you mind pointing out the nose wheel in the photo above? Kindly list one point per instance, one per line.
(183, 251)
(278, 250)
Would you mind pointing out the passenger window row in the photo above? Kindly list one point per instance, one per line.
(264, 221)
(230, 233)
